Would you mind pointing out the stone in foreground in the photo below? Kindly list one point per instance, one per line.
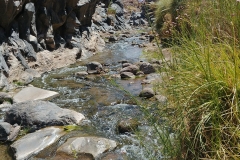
(147, 93)
(127, 75)
(88, 145)
(127, 125)
(8, 132)
(33, 143)
(33, 93)
(41, 114)
(94, 67)
(147, 68)
(132, 68)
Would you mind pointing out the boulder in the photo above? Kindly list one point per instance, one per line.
(112, 38)
(127, 125)
(41, 114)
(33, 93)
(94, 68)
(3, 81)
(114, 156)
(77, 156)
(81, 74)
(132, 68)
(33, 143)
(126, 65)
(140, 74)
(147, 93)
(147, 68)
(5, 97)
(90, 145)
(8, 132)
(127, 75)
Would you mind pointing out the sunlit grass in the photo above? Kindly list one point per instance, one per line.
(202, 84)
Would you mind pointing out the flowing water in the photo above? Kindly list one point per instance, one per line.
(103, 99)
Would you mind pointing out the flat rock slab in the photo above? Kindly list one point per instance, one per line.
(33, 143)
(90, 145)
(41, 114)
(33, 93)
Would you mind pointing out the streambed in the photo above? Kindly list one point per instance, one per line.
(104, 99)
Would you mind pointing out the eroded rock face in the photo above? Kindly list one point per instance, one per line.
(27, 27)
(41, 114)
(33, 143)
(90, 145)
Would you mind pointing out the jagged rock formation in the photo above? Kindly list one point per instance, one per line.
(31, 26)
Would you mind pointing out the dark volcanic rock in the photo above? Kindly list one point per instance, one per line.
(147, 68)
(41, 113)
(27, 27)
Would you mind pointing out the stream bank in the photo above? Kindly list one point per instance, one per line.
(103, 102)
(97, 111)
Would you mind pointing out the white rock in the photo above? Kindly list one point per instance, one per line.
(91, 145)
(34, 93)
(33, 143)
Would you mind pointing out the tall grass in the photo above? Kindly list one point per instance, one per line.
(203, 84)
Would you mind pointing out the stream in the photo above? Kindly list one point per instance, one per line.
(104, 99)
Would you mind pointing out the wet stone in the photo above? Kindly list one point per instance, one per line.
(126, 65)
(127, 125)
(8, 132)
(33, 143)
(147, 68)
(90, 145)
(127, 75)
(147, 93)
(112, 38)
(81, 74)
(94, 67)
(114, 156)
(41, 114)
(5, 97)
(75, 156)
(132, 68)
(34, 93)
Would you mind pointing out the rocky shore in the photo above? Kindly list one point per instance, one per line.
(40, 35)
(37, 36)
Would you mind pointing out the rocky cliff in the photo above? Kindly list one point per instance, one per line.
(33, 32)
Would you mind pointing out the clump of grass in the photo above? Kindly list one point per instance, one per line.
(202, 84)
(111, 11)
(165, 17)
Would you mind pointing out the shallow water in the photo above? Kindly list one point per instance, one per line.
(104, 100)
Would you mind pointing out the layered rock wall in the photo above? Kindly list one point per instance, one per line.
(31, 26)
